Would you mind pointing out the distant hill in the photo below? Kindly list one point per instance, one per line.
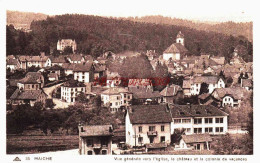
(23, 19)
(95, 35)
(228, 28)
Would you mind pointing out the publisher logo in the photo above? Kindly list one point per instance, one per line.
(17, 159)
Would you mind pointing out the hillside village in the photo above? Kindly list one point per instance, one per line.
(146, 102)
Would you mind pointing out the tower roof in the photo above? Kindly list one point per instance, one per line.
(180, 35)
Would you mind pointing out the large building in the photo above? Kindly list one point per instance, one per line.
(71, 89)
(95, 140)
(116, 98)
(148, 124)
(62, 44)
(177, 50)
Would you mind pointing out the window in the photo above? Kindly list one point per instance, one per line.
(219, 120)
(90, 152)
(124, 101)
(208, 129)
(33, 86)
(162, 139)
(162, 128)
(197, 120)
(128, 97)
(219, 129)
(89, 142)
(117, 97)
(124, 95)
(104, 142)
(116, 103)
(140, 140)
(187, 130)
(151, 128)
(37, 86)
(140, 129)
(110, 104)
(186, 120)
(208, 120)
(197, 130)
(177, 121)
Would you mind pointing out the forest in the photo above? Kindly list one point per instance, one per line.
(95, 35)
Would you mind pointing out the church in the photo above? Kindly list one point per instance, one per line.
(176, 50)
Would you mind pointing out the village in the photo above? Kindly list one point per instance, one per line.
(187, 105)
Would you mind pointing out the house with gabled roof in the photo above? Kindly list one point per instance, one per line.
(145, 96)
(28, 97)
(71, 89)
(194, 142)
(31, 81)
(95, 139)
(37, 61)
(75, 58)
(13, 64)
(148, 124)
(176, 50)
(170, 93)
(84, 72)
(56, 60)
(116, 98)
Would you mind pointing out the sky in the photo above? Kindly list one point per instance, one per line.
(202, 10)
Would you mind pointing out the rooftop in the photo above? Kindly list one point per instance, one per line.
(26, 95)
(171, 90)
(196, 138)
(176, 48)
(97, 130)
(144, 93)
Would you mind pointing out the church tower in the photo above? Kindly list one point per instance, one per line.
(180, 38)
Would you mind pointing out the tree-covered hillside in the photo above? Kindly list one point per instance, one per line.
(95, 35)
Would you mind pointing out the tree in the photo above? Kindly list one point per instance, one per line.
(33, 69)
(67, 50)
(204, 88)
(49, 103)
(229, 81)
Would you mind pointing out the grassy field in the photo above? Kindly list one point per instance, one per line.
(38, 144)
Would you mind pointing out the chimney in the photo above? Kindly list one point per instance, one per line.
(110, 129)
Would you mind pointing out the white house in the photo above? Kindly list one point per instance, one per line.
(230, 96)
(71, 89)
(198, 119)
(62, 44)
(116, 98)
(176, 50)
(147, 124)
(212, 81)
(12, 64)
(84, 72)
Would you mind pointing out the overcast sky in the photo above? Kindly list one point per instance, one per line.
(204, 10)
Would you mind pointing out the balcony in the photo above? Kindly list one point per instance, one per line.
(152, 133)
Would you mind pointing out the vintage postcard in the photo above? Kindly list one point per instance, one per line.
(160, 81)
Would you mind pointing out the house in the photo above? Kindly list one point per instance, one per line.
(59, 60)
(247, 84)
(95, 139)
(218, 60)
(56, 69)
(148, 124)
(99, 71)
(172, 92)
(176, 50)
(145, 96)
(194, 142)
(68, 68)
(13, 64)
(28, 97)
(212, 81)
(37, 61)
(63, 43)
(71, 89)
(230, 96)
(84, 72)
(186, 87)
(75, 58)
(198, 119)
(116, 98)
(31, 81)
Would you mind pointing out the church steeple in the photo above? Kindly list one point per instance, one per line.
(180, 38)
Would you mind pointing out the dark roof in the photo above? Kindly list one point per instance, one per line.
(99, 68)
(97, 130)
(26, 95)
(145, 114)
(180, 35)
(179, 111)
(144, 93)
(12, 62)
(236, 92)
(83, 67)
(176, 48)
(33, 58)
(203, 96)
(32, 77)
(88, 58)
(55, 67)
(171, 90)
(196, 138)
(206, 79)
(73, 83)
(59, 59)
